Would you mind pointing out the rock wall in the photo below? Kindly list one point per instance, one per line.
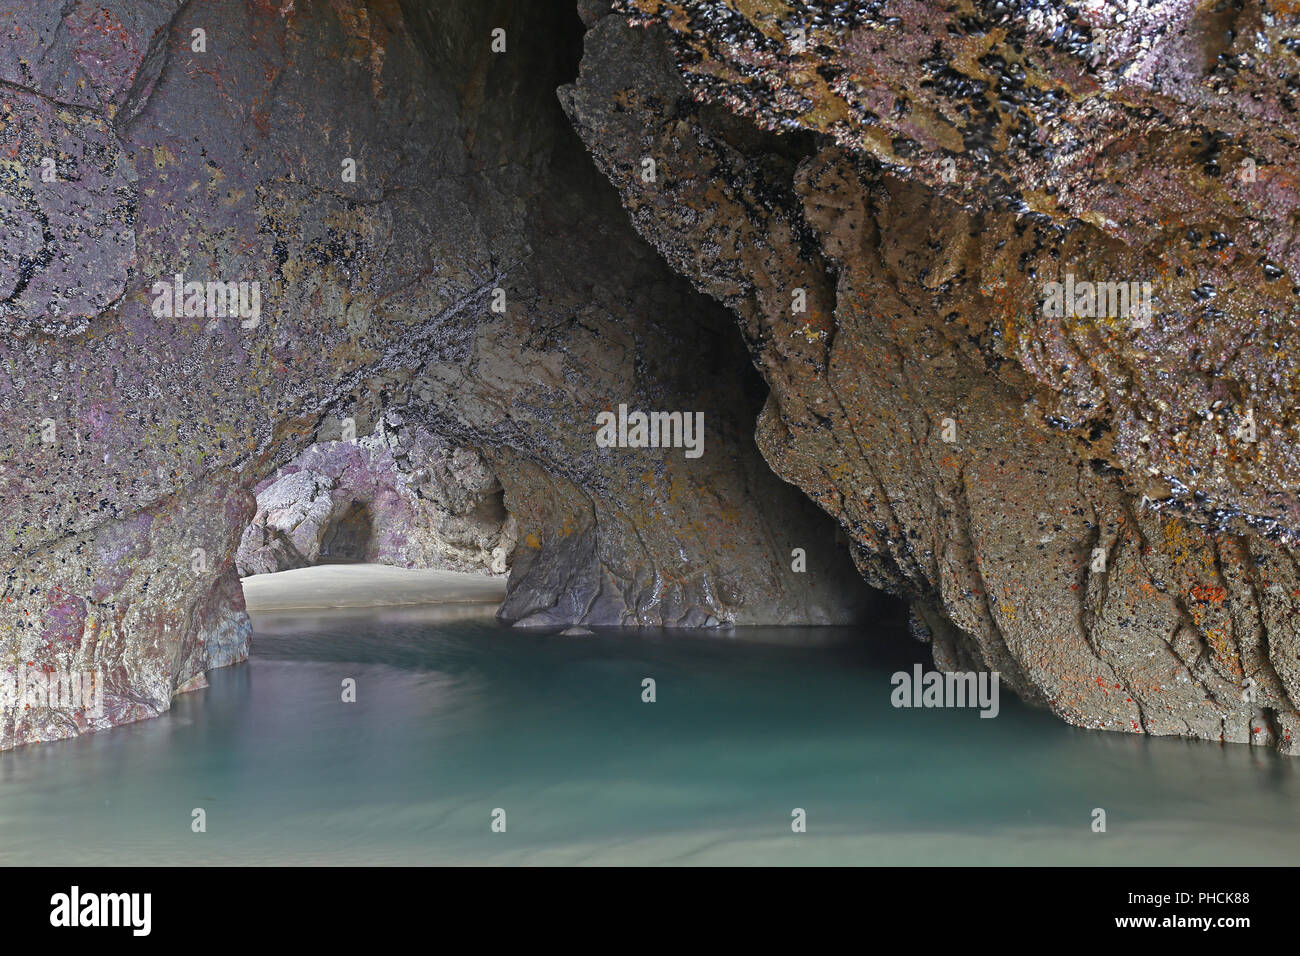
(373, 172)
(1098, 502)
(1099, 506)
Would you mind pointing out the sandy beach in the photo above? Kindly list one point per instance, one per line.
(368, 585)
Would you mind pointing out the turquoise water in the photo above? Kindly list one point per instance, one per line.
(457, 716)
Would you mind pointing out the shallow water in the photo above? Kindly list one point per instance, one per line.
(457, 716)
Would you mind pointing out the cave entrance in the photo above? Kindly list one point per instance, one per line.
(347, 539)
(401, 516)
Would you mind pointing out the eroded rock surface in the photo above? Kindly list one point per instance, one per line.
(1101, 509)
(878, 195)
(398, 497)
(132, 441)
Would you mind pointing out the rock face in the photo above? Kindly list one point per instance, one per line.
(1018, 284)
(398, 497)
(232, 224)
(1097, 501)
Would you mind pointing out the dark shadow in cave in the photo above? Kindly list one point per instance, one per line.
(347, 539)
(579, 201)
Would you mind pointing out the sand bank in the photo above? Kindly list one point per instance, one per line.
(367, 585)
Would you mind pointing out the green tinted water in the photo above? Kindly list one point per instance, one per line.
(456, 717)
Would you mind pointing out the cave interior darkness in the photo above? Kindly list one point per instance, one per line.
(548, 38)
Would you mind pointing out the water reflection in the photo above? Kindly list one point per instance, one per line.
(456, 715)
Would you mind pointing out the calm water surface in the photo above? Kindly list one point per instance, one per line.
(457, 716)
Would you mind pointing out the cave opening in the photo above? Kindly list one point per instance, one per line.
(526, 147)
(348, 537)
(401, 515)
